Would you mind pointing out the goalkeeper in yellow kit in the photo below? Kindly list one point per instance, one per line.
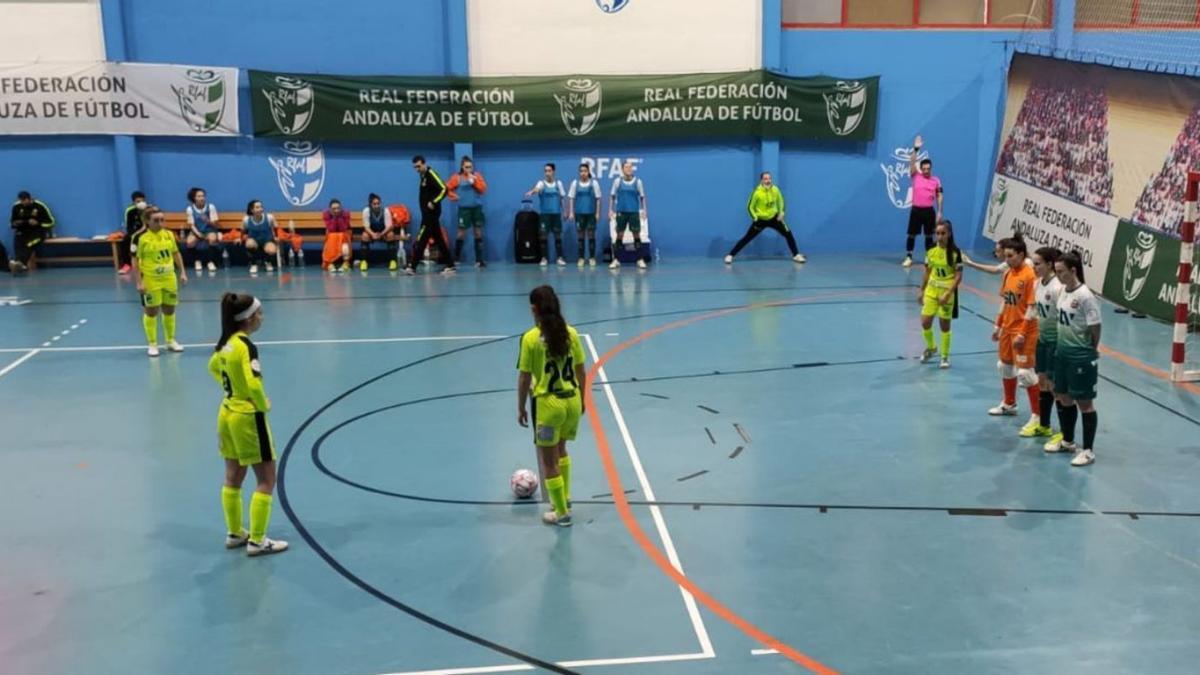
(243, 434)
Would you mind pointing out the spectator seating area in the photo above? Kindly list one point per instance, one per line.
(1160, 205)
(1060, 143)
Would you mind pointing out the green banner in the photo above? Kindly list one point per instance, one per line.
(1143, 269)
(719, 105)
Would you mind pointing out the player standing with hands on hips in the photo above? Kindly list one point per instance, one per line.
(926, 191)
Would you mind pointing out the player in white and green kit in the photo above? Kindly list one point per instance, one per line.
(939, 290)
(551, 373)
(158, 261)
(1075, 360)
(1046, 293)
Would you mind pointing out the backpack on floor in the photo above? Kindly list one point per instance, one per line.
(525, 234)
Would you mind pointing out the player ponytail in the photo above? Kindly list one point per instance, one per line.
(1049, 255)
(1016, 243)
(1073, 260)
(232, 304)
(550, 320)
(953, 254)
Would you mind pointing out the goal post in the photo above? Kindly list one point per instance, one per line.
(1185, 347)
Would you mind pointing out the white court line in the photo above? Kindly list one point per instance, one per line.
(120, 348)
(13, 366)
(633, 660)
(762, 652)
(655, 512)
(706, 647)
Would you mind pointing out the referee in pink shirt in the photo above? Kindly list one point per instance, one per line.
(926, 191)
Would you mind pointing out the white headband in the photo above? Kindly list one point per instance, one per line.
(248, 312)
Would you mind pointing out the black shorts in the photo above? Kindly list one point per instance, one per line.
(922, 220)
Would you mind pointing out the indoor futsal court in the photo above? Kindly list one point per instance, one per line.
(600, 337)
(769, 427)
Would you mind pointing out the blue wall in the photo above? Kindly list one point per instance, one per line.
(947, 85)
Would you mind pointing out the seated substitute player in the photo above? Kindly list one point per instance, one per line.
(379, 228)
(260, 243)
(551, 369)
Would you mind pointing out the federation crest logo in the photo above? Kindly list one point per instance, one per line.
(845, 107)
(996, 204)
(300, 171)
(897, 171)
(202, 99)
(579, 105)
(612, 6)
(1139, 256)
(291, 103)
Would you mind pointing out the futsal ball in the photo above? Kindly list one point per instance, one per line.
(523, 483)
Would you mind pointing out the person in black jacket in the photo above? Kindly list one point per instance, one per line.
(432, 192)
(133, 227)
(31, 223)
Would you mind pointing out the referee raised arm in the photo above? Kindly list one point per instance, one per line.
(926, 191)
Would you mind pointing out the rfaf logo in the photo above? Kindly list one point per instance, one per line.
(300, 171)
(202, 99)
(291, 104)
(845, 107)
(612, 6)
(1139, 255)
(996, 205)
(579, 105)
(895, 172)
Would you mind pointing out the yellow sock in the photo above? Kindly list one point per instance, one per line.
(150, 324)
(946, 344)
(169, 326)
(927, 333)
(260, 515)
(558, 498)
(231, 502)
(564, 470)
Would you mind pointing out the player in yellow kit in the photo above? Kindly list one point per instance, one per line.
(551, 370)
(939, 290)
(243, 434)
(158, 260)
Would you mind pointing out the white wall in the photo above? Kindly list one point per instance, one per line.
(55, 30)
(556, 37)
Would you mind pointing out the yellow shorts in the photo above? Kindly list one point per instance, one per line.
(245, 437)
(160, 294)
(933, 306)
(556, 419)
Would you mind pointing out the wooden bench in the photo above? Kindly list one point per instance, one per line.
(309, 225)
(67, 250)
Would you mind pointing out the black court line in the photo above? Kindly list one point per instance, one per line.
(330, 560)
(711, 438)
(736, 451)
(692, 475)
(448, 296)
(658, 396)
(704, 407)
(296, 521)
(742, 432)
(822, 508)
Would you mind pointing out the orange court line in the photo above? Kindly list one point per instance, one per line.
(1107, 351)
(626, 513)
